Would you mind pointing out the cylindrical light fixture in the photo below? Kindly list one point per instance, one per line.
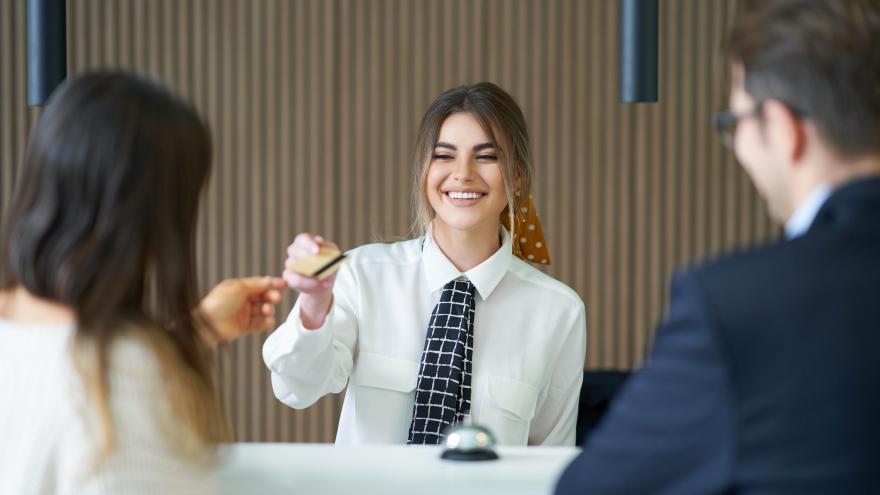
(46, 48)
(639, 29)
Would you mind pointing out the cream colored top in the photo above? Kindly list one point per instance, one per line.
(45, 445)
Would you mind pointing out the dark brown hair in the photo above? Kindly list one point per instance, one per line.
(103, 221)
(819, 57)
(501, 120)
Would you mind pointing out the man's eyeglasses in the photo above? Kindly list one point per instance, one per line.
(726, 122)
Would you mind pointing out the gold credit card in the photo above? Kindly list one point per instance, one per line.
(320, 265)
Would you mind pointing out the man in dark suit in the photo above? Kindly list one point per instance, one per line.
(765, 375)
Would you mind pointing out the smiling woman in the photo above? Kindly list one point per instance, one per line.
(453, 323)
(465, 189)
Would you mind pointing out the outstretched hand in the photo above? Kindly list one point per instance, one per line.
(241, 306)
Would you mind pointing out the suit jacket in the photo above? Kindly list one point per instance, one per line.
(764, 376)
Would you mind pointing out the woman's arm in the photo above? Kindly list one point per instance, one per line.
(555, 419)
(312, 353)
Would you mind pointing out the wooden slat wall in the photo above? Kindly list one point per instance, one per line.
(314, 106)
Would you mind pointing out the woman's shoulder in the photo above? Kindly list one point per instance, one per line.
(399, 252)
(133, 353)
(141, 362)
(544, 287)
(135, 380)
(149, 392)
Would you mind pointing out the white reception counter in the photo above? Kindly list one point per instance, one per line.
(263, 469)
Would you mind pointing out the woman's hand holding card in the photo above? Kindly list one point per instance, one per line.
(310, 268)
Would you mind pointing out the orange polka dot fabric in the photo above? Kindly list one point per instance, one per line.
(528, 236)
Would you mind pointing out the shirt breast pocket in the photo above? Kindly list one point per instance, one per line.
(384, 396)
(510, 410)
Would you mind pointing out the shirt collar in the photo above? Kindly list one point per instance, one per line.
(803, 217)
(485, 276)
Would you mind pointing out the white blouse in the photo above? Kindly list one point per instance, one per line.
(46, 446)
(529, 345)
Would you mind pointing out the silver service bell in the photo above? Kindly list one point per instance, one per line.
(469, 442)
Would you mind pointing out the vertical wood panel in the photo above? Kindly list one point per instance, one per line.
(314, 106)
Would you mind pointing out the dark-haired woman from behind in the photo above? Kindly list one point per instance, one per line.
(104, 378)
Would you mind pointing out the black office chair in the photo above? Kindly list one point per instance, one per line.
(597, 391)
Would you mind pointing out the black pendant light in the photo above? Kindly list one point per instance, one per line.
(46, 48)
(638, 50)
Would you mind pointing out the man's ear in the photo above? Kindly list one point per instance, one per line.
(787, 131)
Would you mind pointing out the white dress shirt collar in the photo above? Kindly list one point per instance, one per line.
(799, 222)
(485, 276)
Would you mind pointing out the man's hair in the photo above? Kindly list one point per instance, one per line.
(819, 57)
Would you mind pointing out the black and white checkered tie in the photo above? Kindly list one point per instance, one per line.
(443, 390)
